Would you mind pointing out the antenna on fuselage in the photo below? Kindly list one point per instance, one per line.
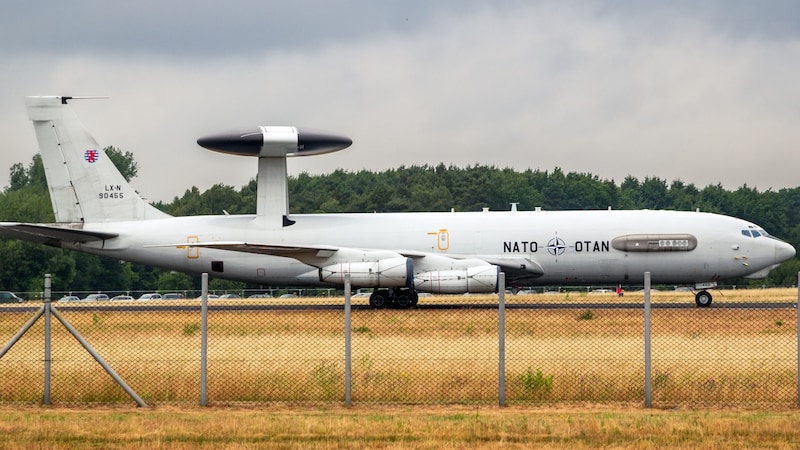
(64, 99)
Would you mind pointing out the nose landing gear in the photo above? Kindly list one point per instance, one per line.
(703, 299)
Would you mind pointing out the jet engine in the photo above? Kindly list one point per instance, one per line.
(475, 280)
(387, 272)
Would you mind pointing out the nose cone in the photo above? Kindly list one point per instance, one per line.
(783, 251)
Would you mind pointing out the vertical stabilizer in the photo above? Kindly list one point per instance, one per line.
(84, 184)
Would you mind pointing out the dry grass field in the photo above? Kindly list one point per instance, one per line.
(395, 427)
(710, 356)
(421, 378)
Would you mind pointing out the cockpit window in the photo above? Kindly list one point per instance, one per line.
(755, 232)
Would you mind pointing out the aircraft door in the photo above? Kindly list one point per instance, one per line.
(442, 240)
(192, 252)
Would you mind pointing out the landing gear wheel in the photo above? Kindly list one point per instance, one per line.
(703, 299)
(377, 300)
(404, 298)
(404, 301)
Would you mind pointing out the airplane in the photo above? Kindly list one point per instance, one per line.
(398, 255)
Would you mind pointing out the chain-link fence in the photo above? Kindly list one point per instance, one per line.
(566, 347)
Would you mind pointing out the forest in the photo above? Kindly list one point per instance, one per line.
(413, 188)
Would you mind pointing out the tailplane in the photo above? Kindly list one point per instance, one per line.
(84, 184)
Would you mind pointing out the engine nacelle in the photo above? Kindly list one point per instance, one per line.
(481, 279)
(388, 272)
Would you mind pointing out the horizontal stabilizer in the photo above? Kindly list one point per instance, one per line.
(47, 234)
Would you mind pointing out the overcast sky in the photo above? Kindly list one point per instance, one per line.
(705, 93)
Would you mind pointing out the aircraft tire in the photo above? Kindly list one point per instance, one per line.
(703, 299)
(377, 300)
(404, 301)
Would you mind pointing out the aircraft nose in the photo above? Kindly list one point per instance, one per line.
(783, 251)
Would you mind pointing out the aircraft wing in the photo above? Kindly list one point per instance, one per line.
(300, 253)
(516, 267)
(50, 234)
(317, 255)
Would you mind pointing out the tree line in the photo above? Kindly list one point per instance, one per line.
(412, 188)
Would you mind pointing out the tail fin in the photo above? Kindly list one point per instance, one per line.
(84, 184)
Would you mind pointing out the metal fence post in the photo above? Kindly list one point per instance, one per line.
(98, 358)
(47, 342)
(204, 341)
(648, 394)
(501, 344)
(348, 386)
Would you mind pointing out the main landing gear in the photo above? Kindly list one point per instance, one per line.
(703, 299)
(401, 298)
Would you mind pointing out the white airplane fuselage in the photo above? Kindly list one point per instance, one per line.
(585, 253)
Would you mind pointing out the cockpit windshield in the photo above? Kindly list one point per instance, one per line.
(755, 232)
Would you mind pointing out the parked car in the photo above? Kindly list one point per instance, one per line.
(153, 296)
(95, 298)
(265, 295)
(210, 296)
(69, 298)
(172, 296)
(9, 297)
(229, 296)
(121, 298)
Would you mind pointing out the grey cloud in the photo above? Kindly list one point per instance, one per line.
(205, 29)
(611, 88)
